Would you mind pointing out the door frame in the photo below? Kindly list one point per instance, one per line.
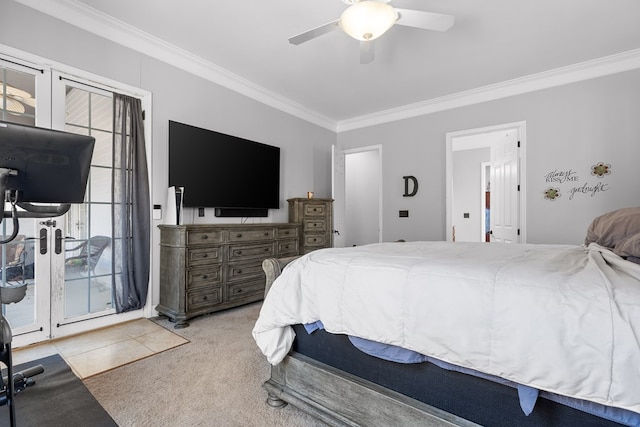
(466, 143)
(46, 68)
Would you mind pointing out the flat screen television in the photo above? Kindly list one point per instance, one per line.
(51, 166)
(237, 176)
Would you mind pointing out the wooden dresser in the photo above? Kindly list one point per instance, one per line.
(211, 267)
(315, 216)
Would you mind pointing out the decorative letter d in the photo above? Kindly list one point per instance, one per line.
(406, 186)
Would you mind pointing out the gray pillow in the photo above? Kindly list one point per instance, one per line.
(629, 247)
(617, 230)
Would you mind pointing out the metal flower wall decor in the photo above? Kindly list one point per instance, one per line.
(600, 169)
(552, 193)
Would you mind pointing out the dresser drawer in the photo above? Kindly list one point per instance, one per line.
(251, 235)
(203, 299)
(204, 256)
(204, 237)
(315, 224)
(315, 240)
(244, 270)
(283, 233)
(247, 290)
(311, 209)
(287, 247)
(199, 277)
(260, 250)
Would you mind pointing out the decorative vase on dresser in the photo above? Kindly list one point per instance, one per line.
(211, 267)
(315, 217)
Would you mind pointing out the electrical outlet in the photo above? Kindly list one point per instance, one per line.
(403, 214)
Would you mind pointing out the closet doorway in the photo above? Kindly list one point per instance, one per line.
(485, 191)
(357, 195)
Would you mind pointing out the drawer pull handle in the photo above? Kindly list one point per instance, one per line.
(239, 235)
(266, 249)
(205, 255)
(204, 276)
(205, 237)
(238, 252)
(238, 271)
(204, 298)
(266, 233)
(238, 291)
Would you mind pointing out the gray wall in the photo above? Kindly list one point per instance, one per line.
(571, 127)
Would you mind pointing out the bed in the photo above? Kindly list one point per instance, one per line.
(491, 334)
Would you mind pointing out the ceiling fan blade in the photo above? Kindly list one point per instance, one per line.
(424, 20)
(367, 51)
(313, 33)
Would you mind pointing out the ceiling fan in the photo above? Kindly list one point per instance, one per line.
(366, 20)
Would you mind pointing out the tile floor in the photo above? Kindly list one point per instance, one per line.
(98, 351)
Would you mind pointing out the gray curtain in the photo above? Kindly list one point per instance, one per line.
(130, 207)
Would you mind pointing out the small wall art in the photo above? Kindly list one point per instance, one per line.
(570, 182)
(552, 193)
(600, 170)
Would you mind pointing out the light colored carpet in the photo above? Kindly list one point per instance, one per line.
(214, 380)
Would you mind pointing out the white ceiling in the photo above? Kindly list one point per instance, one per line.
(245, 43)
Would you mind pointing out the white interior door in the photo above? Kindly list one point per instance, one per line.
(338, 195)
(504, 178)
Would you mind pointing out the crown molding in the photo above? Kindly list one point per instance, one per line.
(89, 19)
(600, 67)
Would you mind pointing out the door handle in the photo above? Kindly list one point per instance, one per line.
(43, 241)
(58, 242)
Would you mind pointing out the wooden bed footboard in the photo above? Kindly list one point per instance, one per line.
(339, 398)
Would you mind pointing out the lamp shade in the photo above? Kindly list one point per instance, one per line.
(368, 19)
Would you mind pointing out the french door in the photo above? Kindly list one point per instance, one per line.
(65, 262)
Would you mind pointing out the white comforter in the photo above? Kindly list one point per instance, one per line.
(565, 319)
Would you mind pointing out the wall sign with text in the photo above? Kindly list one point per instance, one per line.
(569, 182)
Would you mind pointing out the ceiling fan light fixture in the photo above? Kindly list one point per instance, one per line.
(13, 100)
(12, 106)
(368, 19)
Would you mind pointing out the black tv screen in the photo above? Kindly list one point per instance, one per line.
(223, 171)
(49, 166)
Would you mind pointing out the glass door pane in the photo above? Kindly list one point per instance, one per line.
(17, 97)
(21, 262)
(17, 260)
(88, 272)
